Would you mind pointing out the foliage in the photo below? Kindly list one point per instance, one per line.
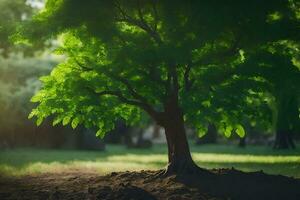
(125, 57)
(276, 67)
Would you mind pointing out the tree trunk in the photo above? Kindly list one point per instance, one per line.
(286, 113)
(284, 140)
(242, 142)
(210, 137)
(180, 159)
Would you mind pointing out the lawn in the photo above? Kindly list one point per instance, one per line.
(118, 158)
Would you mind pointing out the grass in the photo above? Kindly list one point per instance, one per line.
(117, 158)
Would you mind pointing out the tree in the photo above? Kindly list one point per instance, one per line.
(13, 12)
(277, 67)
(18, 82)
(268, 86)
(128, 57)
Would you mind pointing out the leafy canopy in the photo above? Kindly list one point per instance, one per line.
(125, 57)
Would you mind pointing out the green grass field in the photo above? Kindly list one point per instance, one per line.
(118, 158)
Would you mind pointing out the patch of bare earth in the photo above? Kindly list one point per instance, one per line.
(218, 184)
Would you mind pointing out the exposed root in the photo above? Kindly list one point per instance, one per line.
(159, 174)
(183, 168)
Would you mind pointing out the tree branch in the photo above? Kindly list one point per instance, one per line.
(141, 23)
(81, 65)
(154, 7)
(121, 97)
(146, 107)
(220, 55)
(173, 84)
(188, 83)
(139, 100)
(125, 82)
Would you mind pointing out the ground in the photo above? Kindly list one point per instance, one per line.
(68, 174)
(219, 184)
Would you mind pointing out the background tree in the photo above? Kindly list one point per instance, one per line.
(18, 82)
(12, 13)
(128, 57)
(210, 136)
(277, 66)
(18, 75)
(246, 98)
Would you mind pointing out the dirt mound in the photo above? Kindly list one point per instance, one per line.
(216, 184)
(122, 192)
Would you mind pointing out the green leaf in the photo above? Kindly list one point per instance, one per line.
(206, 104)
(36, 98)
(240, 131)
(59, 51)
(45, 78)
(56, 121)
(32, 114)
(75, 122)
(228, 131)
(39, 121)
(66, 120)
(201, 131)
(100, 133)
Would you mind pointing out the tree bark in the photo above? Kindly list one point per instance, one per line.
(242, 142)
(210, 137)
(179, 157)
(284, 140)
(286, 107)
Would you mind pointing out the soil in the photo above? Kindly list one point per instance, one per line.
(145, 185)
